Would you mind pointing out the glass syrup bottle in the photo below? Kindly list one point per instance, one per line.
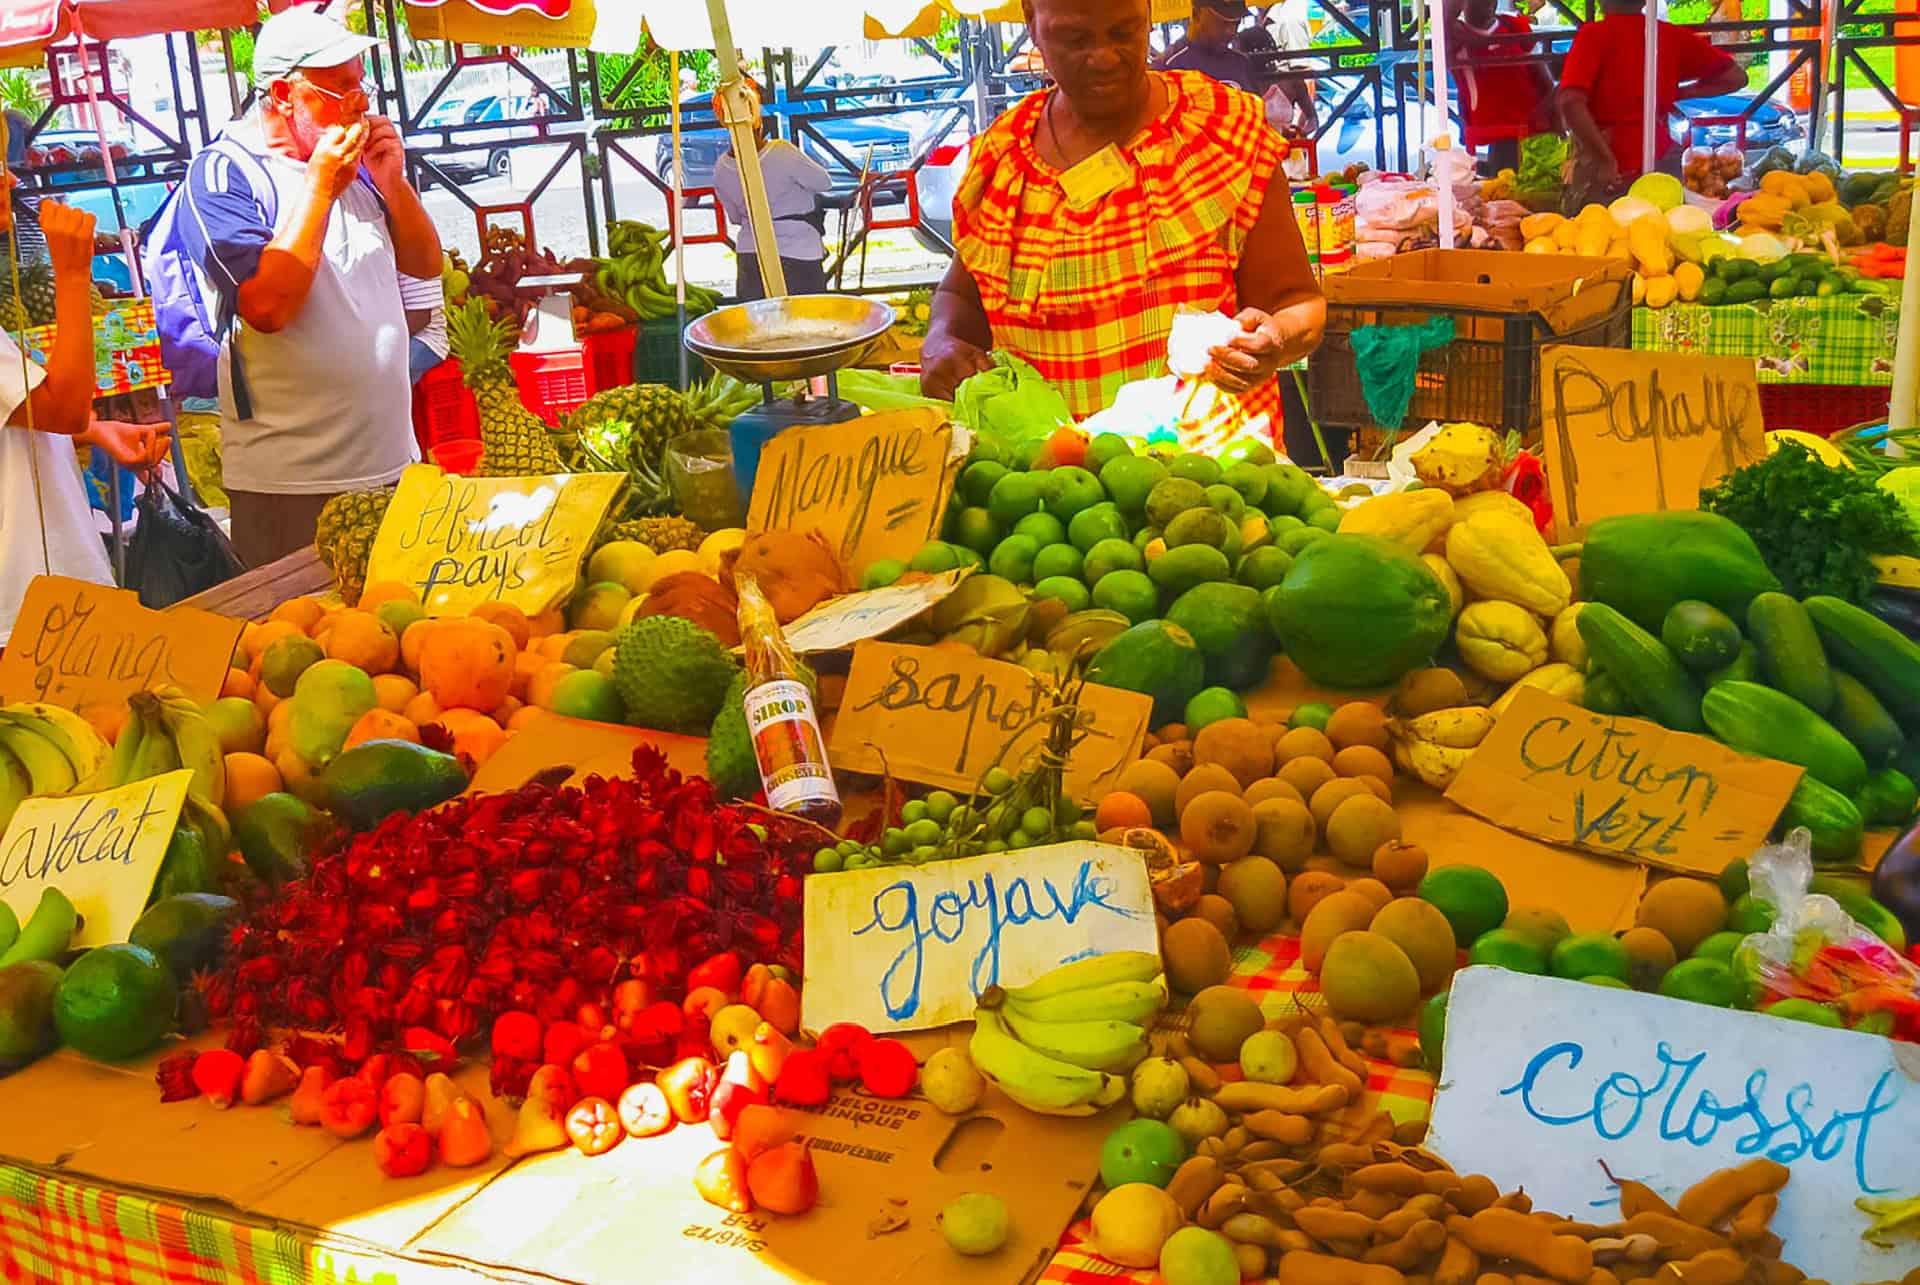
(780, 720)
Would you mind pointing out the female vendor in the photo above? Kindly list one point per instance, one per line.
(1092, 213)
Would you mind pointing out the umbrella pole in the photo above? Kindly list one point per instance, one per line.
(739, 104)
(1904, 412)
(677, 225)
(1443, 142)
(1650, 92)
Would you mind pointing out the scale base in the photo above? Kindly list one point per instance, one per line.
(751, 430)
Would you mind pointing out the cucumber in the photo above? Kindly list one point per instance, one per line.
(1829, 816)
(1646, 671)
(1603, 695)
(1701, 635)
(1758, 720)
(1873, 651)
(1862, 719)
(1744, 668)
(1790, 653)
(1887, 800)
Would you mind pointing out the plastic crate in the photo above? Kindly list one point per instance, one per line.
(443, 408)
(610, 358)
(1822, 408)
(656, 357)
(551, 383)
(1489, 374)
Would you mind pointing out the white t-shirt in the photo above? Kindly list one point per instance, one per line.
(331, 400)
(59, 508)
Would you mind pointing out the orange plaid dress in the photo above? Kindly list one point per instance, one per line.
(1089, 296)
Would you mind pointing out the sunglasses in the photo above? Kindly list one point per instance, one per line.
(366, 92)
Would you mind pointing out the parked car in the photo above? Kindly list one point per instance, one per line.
(474, 154)
(1769, 125)
(70, 171)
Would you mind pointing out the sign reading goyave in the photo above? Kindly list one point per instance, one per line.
(77, 643)
(462, 541)
(904, 948)
(1666, 1092)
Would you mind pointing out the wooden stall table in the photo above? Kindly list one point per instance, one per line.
(253, 594)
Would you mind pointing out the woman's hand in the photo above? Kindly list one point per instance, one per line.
(947, 362)
(137, 447)
(1253, 356)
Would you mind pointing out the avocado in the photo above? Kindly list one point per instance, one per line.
(1230, 629)
(278, 835)
(1157, 659)
(26, 1011)
(187, 931)
(375, 779)
(188, 866)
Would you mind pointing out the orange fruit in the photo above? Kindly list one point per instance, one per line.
(421, 710)
(393, 691)
(363, 640)
(525, 666)
(540, 687)
(254, 638)
(522, 716)
(548, 622)
(508, 708)
(477, 738)
(263, 697)
(296, 777)
(412, 641)
(249, 777)
(1121, 810)
(508, 617)
(468, 663)
(105, 717)
(380, 725)
(239, 683)
(553, 646)
(386, 591)
(302, 613)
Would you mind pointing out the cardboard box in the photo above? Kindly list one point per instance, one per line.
(1566, 291)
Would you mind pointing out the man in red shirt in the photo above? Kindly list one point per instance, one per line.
(1499, 104)
(1603, 93)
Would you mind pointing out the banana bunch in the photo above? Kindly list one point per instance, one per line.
(1060, 1045)
(635, 273)
(1433, 746)
(46, 750)
(165, 731)
(47, 934)
(197, 854)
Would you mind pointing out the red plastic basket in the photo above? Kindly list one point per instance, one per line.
(443, 407)
(1822, 408)
(551, 383)
(610, 358)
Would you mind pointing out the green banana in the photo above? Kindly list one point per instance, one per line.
(156, 755)
(1035, 1081)
(1117, 966)
(126, 747)
(15, 786)
(72, 735)
(1116, 1001)
(1095, 1045)
(49, 930)
(9, 928)
(49, 770)
(195, 742)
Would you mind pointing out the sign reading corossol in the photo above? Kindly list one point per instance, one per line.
(902, 948)
(1545, 1081)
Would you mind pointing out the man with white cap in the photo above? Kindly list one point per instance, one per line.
(314, 389)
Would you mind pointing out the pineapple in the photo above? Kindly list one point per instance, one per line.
(632, 424)
(516, 443)
(662, 535)
(36, 291)
(343, 537)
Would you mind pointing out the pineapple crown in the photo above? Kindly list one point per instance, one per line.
(480, 342)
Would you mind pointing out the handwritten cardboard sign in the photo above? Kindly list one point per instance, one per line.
(1638, 432)
(1622, 787)
(102, 850)
(905, 948)
(75, 643)
(840, 622)
(942, 718)
(1665, 1092)
(876, 487)
(463, 541)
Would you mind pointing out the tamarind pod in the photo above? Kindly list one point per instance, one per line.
(1303, 1267)
(1236, 1137)
(1476, 1192)
(1638, 1198)
(1204, 1079)
(1750, 1223)
(1345, 1155)
(1422, 1242)
(1715, 1267)
(1321, 1066)
(1292, 1239)
(1458, 1264)
(1374, 1204)
(1678, 1238)
(1194, 1182)
(1715, 1197)
(1398, 1178)
(1493, 1278)
(1247, 1096)
(1213, 1148)
(1507, 1233)
(1333, 1226)
(1252, 1229)
(1280, 1127)
(1518, 1201)
(1224, 1203)
(1282, 1169)
(1263, 1149)
(1252, 1261)
(1179, 1047)
(1398, 1223)
(1410, 1133)
(1444, 1183)
(1341, 1050)
(1774, 1272)
(1603, 1276)
(1767, 1245)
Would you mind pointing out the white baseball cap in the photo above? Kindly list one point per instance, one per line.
(300, 37)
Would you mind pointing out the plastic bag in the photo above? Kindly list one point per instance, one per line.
(1816, 952)
(177, 550)
(1012, 401)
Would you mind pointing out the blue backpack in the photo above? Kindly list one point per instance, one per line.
(194, 314)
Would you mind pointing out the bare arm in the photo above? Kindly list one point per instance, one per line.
(1730, 79)
(1576, 113)
(959, 337)
(63, 401)
(416, 242)
(417, 319)
(1282, 310)
(272, 297)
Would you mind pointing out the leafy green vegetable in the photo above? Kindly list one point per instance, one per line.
(1818, 528)
(1013, 401)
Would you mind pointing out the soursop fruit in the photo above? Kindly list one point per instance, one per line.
(671, 673)
(731, 766)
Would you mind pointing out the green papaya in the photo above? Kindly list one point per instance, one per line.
(373, 780)
(1641, 564)
(1357, 611)
(1156, 658)
(278, 836)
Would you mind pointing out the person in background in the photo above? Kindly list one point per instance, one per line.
(46, 521)
(1210, 46)
(1499, 105)
(314, 398)
(795, 183)
(1602, 96)
(426, 303)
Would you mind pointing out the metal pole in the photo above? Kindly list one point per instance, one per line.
(1825, 75)
(1904, 413)
(739, 104)
(1650, 92)
(1442, 141)
(678, 226)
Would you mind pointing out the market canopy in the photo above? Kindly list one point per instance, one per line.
(31, 25)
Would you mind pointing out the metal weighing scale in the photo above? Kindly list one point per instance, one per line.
(550, 327)
(770, 341)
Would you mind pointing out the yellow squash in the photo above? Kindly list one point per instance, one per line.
(1411, 519)
(1495, 501)
(1502, 557)
(1564, 640)
(1558, 680)
(1448, 581)
(1499, 640)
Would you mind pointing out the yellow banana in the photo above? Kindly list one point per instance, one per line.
(1035, 1081)
(1104, 1045)
(48, 770)
(156, 755)
(1116, 1001)
(72, 735)
(1433, 763)
(1462, 727)
(197, 744)
(15, 786)
(1118, 966)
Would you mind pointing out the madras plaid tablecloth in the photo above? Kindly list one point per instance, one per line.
(1272, 971)
(1847, 339)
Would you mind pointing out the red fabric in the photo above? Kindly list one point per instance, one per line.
(1609, 59)
(1498, 102)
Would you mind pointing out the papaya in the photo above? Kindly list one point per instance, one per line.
(1359, 611)
(373, 780)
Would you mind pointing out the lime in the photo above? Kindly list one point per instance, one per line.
(1045, 528)
(1704, 981)
(1719, 947)
(1313, 714)
(976, 481)
(1058, 560)
(1433, 1030)
(1095, 523)
(589, 694)
(1128, 592)
(1173, 496)
(1195, 468)
(1109, 556)
(879, 575)
(1804, 1010)
(1129, 480)
(1016, 495)
(1283, 523)
(974, 528)
(934, 557)
(1471, 897)
(1601, 979)
(1066, 589)
(1249, 479)
(1141, 1150)
(1750, 914)
(1733, 880)
(1178, 570)
(1293, 540)
(1104, 449)
(1224, 499)
(115, 1002)
(1326, 519)
(1210, 705)
(1146, 535)
(1071, 489)
(1247, 450)
(990, 448)
(965, 557)
(1201, 526)
(1034, 456)
(1012, 558)
(1505, 948)
(1589, 955)
(1288, 486)
(1263, 568)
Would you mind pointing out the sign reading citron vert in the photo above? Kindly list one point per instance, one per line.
(462, 541)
